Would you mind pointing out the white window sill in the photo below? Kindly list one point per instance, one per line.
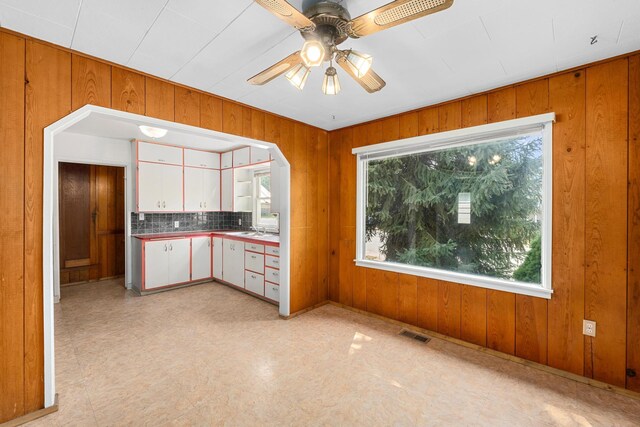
(465, 279)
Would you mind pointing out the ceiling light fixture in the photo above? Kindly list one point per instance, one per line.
(152, 132)
(312, 53)
(298, 76)
(359, 62)
(331, 84)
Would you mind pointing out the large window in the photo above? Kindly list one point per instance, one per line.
(470, 206)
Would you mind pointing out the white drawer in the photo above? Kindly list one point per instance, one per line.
(272, 275)
(254, 247)
(158, 153)
(272, 250)
(272, 292)
(254, 282)
(254, 262)
(272, 261)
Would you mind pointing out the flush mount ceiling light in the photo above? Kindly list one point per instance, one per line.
(152, 132)
(325, 25)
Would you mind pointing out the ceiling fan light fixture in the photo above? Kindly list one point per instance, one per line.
(312, 53)
(331, 83)
(359, 62)
(298, 75)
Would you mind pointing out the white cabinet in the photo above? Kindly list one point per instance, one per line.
(272, 275)
(226, 188)
(158, 153)
(254, 262)
(217, 257)
(272, 250)
(201, 189)
(272, 291)
(159, 188)
(259, 155)
(166, 262)
(254, 282)
(226, 160)
(201, 159)
(200, 258)
(241, 157)
(233, 262)
(272, 261)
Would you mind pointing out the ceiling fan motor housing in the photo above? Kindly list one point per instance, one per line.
(331, 22)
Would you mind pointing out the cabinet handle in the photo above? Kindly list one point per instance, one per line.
(164, 205)
(205, 204)
(253, 276)
(165, 248)
(200, 204)
(161, 160)
(158, 203)
(170, 247)
(253, 257)
(209, 243)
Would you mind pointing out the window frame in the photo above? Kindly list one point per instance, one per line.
(256, 200)
(456, 138)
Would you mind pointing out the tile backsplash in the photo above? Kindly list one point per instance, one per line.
(200, 221)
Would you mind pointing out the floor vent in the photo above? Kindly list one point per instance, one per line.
(413, 335)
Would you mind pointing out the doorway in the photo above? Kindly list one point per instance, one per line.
(91, 221)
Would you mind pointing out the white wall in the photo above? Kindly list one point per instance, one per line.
(94, 150)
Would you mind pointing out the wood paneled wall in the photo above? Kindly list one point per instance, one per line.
(596, 227)
(41, 83)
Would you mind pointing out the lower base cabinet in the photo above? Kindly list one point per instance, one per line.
(166, 262)
(254, 282)
(233, 262)
(200, 258)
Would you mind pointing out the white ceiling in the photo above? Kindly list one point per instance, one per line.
(216, 45)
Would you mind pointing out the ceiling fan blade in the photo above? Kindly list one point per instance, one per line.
(371, 82)
(395, 13)
(289, 14)
(276, 69)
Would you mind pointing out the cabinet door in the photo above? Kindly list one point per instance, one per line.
(259, 155)
(201, 159)
(211, 189)
(217, 257)
(149, 187)
(193, 191)
(226, 160)
(172, 188)
(200, 258)
(233, 262)
(241, 157)
(179, 260)
(156, 264)
(227, 190)
(159, 153)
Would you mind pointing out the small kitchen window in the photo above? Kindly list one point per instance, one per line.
(470, 206)
(262, 214)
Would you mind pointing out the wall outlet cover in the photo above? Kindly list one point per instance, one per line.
(176, 224)
(239, 221)
(589, 328)
(141, 216)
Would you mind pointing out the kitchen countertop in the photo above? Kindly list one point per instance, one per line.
(241, 235)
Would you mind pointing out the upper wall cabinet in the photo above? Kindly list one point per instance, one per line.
(157, 153)
(159, 187)
(241, 157)
(201, 159)
(259, 155)
(226, 160)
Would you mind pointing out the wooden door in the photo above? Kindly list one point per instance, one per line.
(91, 200)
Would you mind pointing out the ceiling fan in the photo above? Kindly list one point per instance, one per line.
(324, 26)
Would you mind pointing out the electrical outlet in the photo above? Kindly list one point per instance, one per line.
(589, 328)
(176, 224)
(239, 221)
(141, 216)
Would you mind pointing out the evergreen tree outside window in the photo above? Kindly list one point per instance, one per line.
(472, 207)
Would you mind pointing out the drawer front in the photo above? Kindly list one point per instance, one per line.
(272, 250)
(254, 262)
(254, 282)
(272, 292)
(254, 247)
(272, 275)
(159, 153)
(272, 261)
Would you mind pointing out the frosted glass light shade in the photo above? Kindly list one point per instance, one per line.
(298, 75)
(359, 62)
(331, 83)
(312, 53)
(152, 132)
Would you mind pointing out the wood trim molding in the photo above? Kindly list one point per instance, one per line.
(432, 334)
(31, 416)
